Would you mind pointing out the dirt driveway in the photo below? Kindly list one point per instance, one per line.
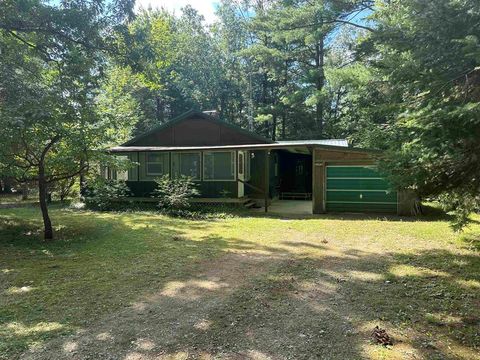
(144, 286)
(263, 306)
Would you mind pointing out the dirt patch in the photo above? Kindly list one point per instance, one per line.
(161, 324)
(280, 291)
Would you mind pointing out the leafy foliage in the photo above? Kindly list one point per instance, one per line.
(103, 194)
(174, 193)
(434, 142)
(52, 64)
(400, 76)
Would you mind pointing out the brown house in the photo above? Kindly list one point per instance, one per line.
(233, 165)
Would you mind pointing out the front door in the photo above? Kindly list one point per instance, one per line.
(301, 175)
(241, 173)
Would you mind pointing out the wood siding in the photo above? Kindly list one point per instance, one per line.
(207, 189)
(197, 132)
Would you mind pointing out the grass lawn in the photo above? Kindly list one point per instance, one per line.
(145, 286)
(16, 199)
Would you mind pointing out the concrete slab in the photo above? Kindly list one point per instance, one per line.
(289, 207)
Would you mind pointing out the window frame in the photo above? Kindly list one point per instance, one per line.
(241, 167)
(173, 175)
(233, 158)
(147, 173)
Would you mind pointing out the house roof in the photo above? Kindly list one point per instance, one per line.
(331, 142)
(196, 114)
(325, 144)
(263, 143)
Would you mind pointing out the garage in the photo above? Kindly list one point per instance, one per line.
(358, 188)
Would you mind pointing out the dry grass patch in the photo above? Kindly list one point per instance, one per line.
(144, 286)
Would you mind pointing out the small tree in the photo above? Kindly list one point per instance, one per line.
(174, 194)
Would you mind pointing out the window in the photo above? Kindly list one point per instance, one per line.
(103, 171)
(157, 163)
(122, 174)
(186, 164)
(219, 165)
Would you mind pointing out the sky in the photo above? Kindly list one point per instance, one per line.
(204, 7)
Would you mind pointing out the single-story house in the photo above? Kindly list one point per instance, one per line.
(229, 163)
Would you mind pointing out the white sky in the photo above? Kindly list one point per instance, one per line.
(204, 7)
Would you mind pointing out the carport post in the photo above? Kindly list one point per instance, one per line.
(267, 178)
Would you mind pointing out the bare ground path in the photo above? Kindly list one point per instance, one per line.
(242, 288)
(246, 305)
(174, 321)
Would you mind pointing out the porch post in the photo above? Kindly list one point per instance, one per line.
(318, 184)
(267, 178)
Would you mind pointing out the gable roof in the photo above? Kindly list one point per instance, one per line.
(196, 114)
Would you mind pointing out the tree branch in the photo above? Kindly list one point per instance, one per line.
(29, 44)
(334, 21)
(56, 178)
(352, 24)
(47, 148)
(51, 31)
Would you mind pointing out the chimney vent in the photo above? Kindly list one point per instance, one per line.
(213, 113)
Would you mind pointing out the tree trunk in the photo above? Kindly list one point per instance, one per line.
(42, 197)
(158, 109)
(24, 191)
(274, 127)
(319, 64)
(284, 107)
(82, 179)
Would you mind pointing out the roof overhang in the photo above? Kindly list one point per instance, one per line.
(307, 145)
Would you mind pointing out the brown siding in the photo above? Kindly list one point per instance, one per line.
(197, 132)
(344, 156)
(231, 137)
(318, 182)
(322, 158)
(406, 202)
(164, 138)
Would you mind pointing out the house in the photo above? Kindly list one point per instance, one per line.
(234, 165)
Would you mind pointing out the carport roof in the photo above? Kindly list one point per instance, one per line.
(326, 144)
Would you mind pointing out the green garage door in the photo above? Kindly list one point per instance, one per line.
(358, 189)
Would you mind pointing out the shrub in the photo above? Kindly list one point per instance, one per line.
(174, 194)
(66, 188)
(460, 206)
(102, 194)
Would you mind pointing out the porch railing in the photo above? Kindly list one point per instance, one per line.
(261, 191)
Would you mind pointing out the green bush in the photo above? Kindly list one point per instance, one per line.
(174, 194)
(66, 188)
(103, 194)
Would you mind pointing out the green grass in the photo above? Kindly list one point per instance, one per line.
(333, 275)
(15, 199)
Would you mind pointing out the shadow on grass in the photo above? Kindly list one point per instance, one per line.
(430, 213)
(97, 264)
(471, 240)
(274, 302)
